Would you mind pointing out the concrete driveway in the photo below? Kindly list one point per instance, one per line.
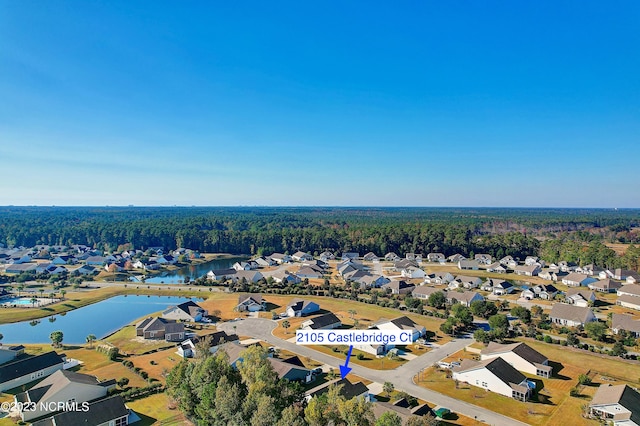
(401, 377)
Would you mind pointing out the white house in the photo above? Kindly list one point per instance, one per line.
(251, 303)
(527, 270)
(630, 302)
(578, 297)
(413, 273)
(466, 264)
(617, 405)
(187, 311)
(403, 323)
(495, 375)
(465, 298)
(23, 371)
(300, 256)
(625, 322)
(301, 308)
(520, 356)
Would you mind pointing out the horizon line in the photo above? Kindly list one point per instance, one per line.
(308, 206)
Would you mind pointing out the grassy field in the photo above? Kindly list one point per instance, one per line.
(557, 407)
(157, 409)
(555, 396)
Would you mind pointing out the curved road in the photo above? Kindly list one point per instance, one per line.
(401, 377)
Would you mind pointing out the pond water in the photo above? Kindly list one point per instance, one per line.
(101, 319)
(191, 271)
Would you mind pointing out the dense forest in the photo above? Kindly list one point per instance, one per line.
(518, 232)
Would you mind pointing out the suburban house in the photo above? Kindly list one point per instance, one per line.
(423, 292)
(618, 405)
(370, 257)
(61, 386)
(23, 371)
(402, 323)
(468, 282)
(520, 356)
(507, 260)
(187, 311)
(18, 268)
(551, 275)
(629, 290)
(391, 257)
(301, 308)
(468, 264)
(545, 291)
(299, 256)
(619, 274)
(241, 266)
(605, 286)
(86, 270)
(576, 279)
(501, 287)
(436, 257)
(160, 328)
(280, 276)
(483, 258)
(347, 389)
(350, 255)
(412, 272)
(106, 412)
(291, 369)
(532, 260)
(327, 255)
(221, 274)
(625, 322)
(251, 303)
(631, 302)
(308, 272)
(368, 280)
(265, 261)
(455, 258)
(187, 348)
(280, 258)
(497, 268)
(322, 322)
(249, 276)
(399, 287)
(465, 298)
(439, 278)
(495, 375)
(402, 408)
(9, 353)
(570, 315)
(404, 264)
(578, 297)
(527, 270)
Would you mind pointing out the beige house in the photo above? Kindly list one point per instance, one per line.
(618, 405)
(520, 356)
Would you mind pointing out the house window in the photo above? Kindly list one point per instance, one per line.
(484, 384)
(121, 421)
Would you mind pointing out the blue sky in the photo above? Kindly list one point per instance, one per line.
(325, 103)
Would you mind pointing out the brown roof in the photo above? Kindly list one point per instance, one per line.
(606, 284)
(575, 277)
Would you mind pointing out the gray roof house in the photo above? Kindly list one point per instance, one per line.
(63, 386)
(187, 311)
(570, 315)
(104, 412)
(26, 370)
(495, 375)
(625, 322)
(251, 303)
(322, 322)
(301, 308)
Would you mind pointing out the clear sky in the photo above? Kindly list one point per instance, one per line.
(447, 103)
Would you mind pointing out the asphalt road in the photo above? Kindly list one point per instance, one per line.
(401, 377)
